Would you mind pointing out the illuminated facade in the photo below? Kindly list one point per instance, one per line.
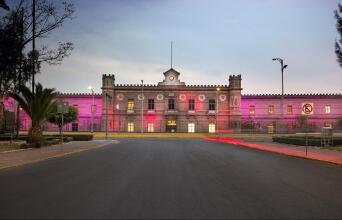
(173, 106)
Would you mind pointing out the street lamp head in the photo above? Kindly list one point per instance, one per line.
(274, 59)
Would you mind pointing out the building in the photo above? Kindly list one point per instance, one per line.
(173, 106)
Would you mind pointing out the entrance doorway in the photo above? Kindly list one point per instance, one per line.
(171, 125)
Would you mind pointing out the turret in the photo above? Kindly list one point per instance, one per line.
(235, 81)
(108, 81)
(235, 101)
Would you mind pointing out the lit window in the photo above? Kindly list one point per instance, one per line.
(211, 104)
(270, 109)
(251, 109)
(327, 109)
(171, 104)
(211, 128)
(130, 104)
(289, 109)
(171, 122)
(327, 125)
(151, 104)
(130, 127)
(150, 127)
(191, 127)
(270, 128)
(191, 104)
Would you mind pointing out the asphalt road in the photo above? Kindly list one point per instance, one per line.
(172, 178)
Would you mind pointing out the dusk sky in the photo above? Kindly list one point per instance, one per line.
(212, 39)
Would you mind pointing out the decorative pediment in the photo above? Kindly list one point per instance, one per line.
(171, 79)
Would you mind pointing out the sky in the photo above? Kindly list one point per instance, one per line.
(212, 40)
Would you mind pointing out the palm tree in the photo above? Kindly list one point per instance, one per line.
(38, 106)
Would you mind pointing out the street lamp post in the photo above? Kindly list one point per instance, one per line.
(107, 96)
(217, 91)
(281, 61)
(142, 106)
(92, 110)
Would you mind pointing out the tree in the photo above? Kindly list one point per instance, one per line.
(338, 44)
(16, 35)
(69, 117)
(38, 106)
(16, 58)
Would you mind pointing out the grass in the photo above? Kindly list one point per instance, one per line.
(7, 145)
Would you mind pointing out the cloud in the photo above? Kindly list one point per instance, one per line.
(81, 70)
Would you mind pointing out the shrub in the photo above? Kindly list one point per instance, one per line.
(76, 137)
(301, 140)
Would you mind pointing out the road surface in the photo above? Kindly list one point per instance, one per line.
(172, 178)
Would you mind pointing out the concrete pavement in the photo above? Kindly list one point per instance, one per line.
(309, 152)
(172, 178)
(25, 156)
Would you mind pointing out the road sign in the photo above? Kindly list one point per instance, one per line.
(307, 108)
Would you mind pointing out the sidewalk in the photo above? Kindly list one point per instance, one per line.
(25, 156)
(314, 153)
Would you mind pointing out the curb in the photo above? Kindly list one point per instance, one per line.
(30, 148)
(241, 143)
(59, 155)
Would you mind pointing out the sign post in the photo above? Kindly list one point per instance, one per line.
(62, 108)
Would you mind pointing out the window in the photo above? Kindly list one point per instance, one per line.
(270, 109)
(151, 104)
(74, 127)
(211, 128)
(211, 104)
(191, 104)
(130, 104)
(251, 109)
(93, 108)
(171, 122)
(191, 127)
(150, 127)
(171, 104)
(270, 128)
(327, 109)
(289, 109)
(130, 127)
(327, 125)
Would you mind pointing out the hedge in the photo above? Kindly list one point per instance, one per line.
(301, 140)
(76, 137)
(68, 137)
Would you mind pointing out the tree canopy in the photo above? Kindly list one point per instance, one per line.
(69, 117)
(338, 44)
(16, 55)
